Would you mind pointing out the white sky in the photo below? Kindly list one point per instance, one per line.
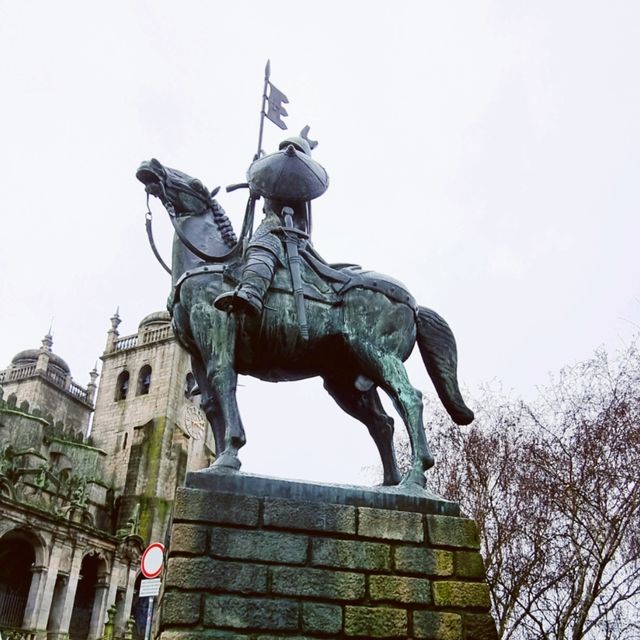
(484, 153)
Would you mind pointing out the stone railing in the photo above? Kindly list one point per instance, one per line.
(13, 374)
(146, 336)
(18, 373)
(153, 335)
(128, 342)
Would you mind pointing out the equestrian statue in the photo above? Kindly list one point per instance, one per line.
(268, 305)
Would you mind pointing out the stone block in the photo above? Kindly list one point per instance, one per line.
(423, 561)
(181, 607)
(321, 618)
(390, 525)
(250, 613)
(431, 625)
(188, 634)
(188, 538)
(350, 554)
(375, 622)
(461, 594)
(480, 627)
(291, 514)
(448, 531)
(469, 564)
(400, 589)
(265, 546)
(202, 506)
(319, 583)
(207, 574)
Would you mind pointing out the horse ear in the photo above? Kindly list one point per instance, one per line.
(214, 192)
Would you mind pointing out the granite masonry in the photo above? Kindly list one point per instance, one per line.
(255, 558)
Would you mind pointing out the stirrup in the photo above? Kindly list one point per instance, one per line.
(238, 300)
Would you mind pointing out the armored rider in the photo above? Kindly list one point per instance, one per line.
(287, 180)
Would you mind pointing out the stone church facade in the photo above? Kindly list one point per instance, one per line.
(88, 477)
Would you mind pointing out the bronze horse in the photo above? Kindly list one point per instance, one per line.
(356, 344)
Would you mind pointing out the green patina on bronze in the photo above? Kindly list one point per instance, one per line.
(269, 306)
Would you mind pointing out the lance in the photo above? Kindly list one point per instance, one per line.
(267, 73)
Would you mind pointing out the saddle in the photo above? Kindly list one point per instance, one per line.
(327, 283)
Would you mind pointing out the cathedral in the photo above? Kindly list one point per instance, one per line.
(87, 480)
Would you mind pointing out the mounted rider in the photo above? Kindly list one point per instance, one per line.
(287, 180)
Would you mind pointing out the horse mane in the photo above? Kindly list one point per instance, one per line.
(223, 223)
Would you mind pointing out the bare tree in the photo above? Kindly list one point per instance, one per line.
(554, 488)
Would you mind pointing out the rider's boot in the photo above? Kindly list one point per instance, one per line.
(248, 296)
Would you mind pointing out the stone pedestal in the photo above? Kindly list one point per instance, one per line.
(255, 558)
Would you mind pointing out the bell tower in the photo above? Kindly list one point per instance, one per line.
(148, 424)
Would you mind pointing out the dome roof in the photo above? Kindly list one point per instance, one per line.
(30, 356)
(155, 318)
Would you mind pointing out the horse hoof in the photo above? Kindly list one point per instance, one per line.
(414, 479)
(227, 461)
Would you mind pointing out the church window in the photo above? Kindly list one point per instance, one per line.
(189, 384)
(144, 380)
(122, 385)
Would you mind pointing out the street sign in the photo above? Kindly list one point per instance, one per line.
(149, 588)
(152, 560)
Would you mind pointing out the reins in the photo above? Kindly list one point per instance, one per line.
(247, 227)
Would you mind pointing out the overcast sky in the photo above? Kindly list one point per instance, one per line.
(484, 153)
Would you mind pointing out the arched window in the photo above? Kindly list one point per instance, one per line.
(189, 384)
(144, 380)
(122, 386)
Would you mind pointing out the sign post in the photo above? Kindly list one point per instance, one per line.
(151, 564)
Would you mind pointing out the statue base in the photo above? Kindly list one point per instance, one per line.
(252, 557)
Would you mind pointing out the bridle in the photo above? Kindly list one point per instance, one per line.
(247, 225)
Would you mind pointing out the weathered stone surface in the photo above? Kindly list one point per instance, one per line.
(432, 625)
(193, 504)
(375, 622)
(469, 564)
(206, 573)
(461, 594)
(321, 618)
(332, 585)
(189, 538)
(188, 634)
(479, 627)
(179, 607)
(290, 514)
(258, 545)
(394, 498)
(423, 561)
(250, 613)
(390, 525)
(452, 532)
(400, 589)
(350, 554)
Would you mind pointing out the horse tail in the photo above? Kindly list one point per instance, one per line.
(440, 356)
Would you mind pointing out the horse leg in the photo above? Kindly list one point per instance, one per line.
(393, 378)
(367, 408)
(208, 404)
(214, 333)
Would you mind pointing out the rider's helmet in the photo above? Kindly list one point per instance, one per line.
(290, 174)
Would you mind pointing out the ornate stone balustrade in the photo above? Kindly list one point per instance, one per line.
(146, 336)
(13, 374)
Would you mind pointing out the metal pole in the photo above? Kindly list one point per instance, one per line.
(147, 631)
(267, 73)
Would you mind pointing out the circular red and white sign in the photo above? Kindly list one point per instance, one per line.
(152, 560)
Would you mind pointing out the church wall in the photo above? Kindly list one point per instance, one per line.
(49, 400)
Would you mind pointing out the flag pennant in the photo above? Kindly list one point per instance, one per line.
(276, 110)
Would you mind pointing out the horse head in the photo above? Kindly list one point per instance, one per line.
(203, 230)
(176, 190)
